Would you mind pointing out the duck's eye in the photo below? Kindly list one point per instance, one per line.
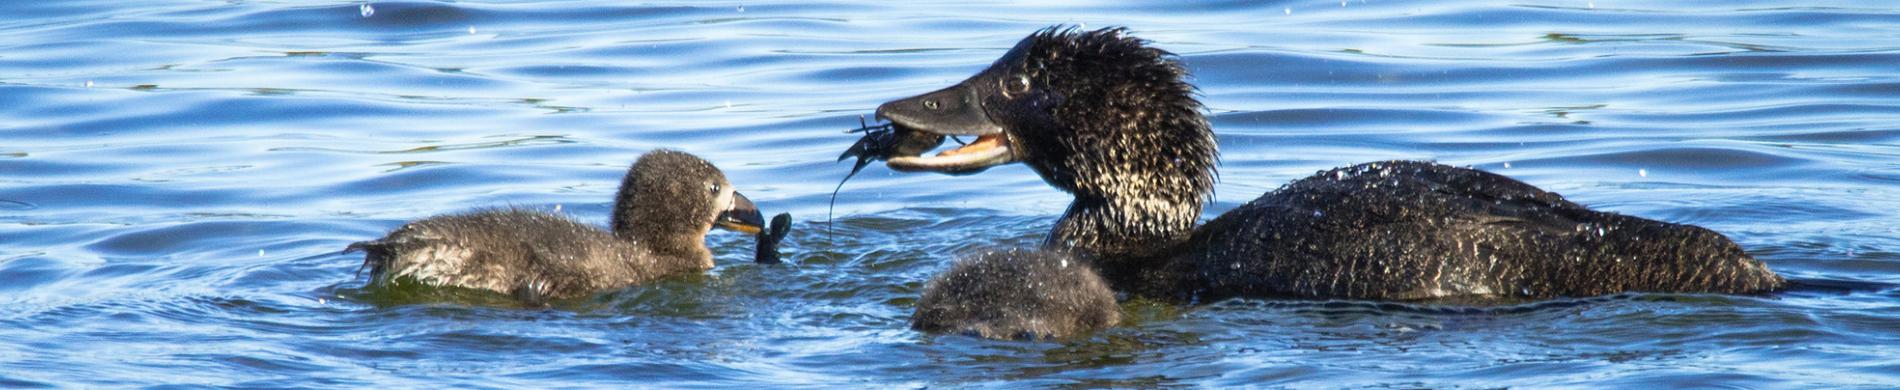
(1013, 86)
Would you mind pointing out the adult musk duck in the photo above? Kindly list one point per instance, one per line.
(666, 205)
(1103, 116)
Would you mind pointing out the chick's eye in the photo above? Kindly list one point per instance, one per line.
(713, 188)
(1015, 85)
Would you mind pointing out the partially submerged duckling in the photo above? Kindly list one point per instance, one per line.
(666, 205)
(1017, 295)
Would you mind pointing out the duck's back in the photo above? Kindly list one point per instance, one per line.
(534, 256)
(1418, 230)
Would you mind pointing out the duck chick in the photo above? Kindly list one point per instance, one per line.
(1017, 295)
(666, 205)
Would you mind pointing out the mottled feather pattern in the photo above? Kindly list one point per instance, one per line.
(1133, 199)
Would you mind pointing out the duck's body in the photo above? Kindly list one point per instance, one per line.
(1110, 120)
(1405, 230)
(666, 205)
(532, 255)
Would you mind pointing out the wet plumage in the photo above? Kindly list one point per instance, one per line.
(1112, 121)
(1416, 230)
(666, 205)
(1017, 294)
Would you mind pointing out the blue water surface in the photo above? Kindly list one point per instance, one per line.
(178, 178)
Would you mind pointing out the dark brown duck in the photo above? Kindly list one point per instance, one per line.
(666, 205)
(1112, 121)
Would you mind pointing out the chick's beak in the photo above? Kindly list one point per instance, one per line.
(741, 216)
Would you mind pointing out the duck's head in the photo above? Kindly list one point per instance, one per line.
(1096, 113)
(674, 198)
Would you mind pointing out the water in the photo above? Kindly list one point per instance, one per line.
(176, 181)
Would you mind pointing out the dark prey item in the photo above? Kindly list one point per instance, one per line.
(880, 142)
(771, 236)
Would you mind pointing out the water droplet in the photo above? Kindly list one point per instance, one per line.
(471, 30)
(320, 301)
(1593, 5)
(557, 208)
(1289, 10)
(88, 83)
(741, 8)
(260, 253)
(728, 104)
(1507, 165)
(1642, 172)
(366, 9)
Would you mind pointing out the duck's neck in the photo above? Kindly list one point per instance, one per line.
(1130, 239)
(681, 252)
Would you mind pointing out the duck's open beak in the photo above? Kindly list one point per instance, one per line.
(741, 216)
(957, 110)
